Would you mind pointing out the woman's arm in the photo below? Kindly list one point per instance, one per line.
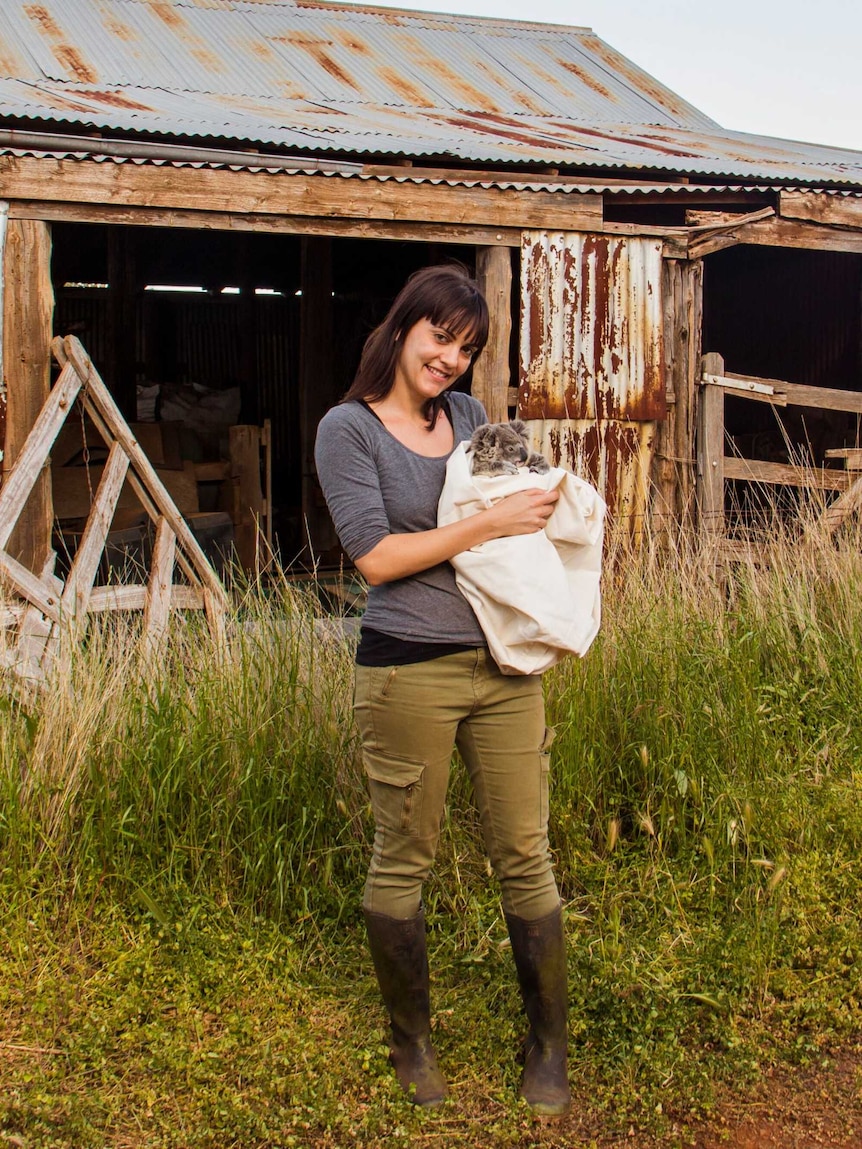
(398, 556)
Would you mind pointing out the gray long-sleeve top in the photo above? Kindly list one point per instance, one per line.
(375, 486)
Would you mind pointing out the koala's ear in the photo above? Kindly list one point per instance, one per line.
(481, 435)
(519, 428)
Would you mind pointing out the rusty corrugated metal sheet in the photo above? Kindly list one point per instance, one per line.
(591, 379)
(334, 52)
(327, 77)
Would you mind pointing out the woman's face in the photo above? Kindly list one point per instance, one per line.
(432, 358)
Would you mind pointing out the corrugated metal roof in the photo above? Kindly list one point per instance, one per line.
(328, 77)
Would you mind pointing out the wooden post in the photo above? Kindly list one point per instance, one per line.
(317, 388)
(248, 494)
(28, 311)
(492, 371)
(710, 451)
(674, 458)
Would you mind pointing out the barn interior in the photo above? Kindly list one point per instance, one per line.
(794, 316)
(199, 331)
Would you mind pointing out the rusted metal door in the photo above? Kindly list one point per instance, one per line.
(591, 383)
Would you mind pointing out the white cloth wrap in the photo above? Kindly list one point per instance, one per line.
(537, 597)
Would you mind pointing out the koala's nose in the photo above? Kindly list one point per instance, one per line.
(523, 454)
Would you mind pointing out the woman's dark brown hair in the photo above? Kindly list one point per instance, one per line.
(446, 296)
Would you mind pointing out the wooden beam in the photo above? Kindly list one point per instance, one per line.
(675, 238)
(79, 584)
(28, 311)
(134, 597)
(785, 475)
(802, 395)
(429, 232)
(780, 233)
(281, 193)
(818, 207)
(158, 604)
(30, 461)
(492, 372)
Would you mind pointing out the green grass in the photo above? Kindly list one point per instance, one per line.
(183, 842)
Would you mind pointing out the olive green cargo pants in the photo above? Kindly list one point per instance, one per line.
(410, 718)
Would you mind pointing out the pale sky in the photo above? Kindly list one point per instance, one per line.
(772, 67)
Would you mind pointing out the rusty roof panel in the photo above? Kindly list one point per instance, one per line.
(333, 52)
(352, 79)
(590, 327)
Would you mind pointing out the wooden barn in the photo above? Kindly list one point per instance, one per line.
(219, 198)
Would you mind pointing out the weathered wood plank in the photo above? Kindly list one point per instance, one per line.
(491, 375)
(28, 309)
(33, 455)
(29, 586)
(158, 604)
(852, 457)
(803, 395)
(425, 232)
(79, 584)
(785, 475)
(223, 190)
(780, 233)
(817, 207)
(134, 597)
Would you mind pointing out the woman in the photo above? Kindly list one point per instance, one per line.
(425, 681)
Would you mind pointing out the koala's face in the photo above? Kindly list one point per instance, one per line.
(498, 447)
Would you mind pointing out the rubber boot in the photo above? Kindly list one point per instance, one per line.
(539, 949)
(401, 963)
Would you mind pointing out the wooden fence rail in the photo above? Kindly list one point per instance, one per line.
(714, 466)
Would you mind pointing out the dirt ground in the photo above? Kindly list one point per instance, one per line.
(818, 1108)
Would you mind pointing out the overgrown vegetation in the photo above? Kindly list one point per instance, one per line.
(182, 847)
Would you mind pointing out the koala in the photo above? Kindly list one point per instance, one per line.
(501, 448)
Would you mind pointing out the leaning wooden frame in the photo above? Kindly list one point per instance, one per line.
(43, 609)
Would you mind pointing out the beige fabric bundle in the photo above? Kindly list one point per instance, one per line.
(537, 596)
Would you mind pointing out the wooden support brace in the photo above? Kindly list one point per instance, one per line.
(79, 584)
(98, 396)
(158, 603)
(33, 455)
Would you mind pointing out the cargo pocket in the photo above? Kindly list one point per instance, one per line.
(395, 786)
(545, 767)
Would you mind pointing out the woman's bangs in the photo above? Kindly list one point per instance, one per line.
(471, 316)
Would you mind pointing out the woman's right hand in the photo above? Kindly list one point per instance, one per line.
(522, 513)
